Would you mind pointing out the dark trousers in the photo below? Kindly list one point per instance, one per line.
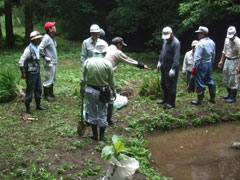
(34, 85)
(169, 84)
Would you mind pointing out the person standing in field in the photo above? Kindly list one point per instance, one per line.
(203, 60)
(229, 62)
(88, 44)
(188, 64)
(96, 81)
(48, 50)
(115, 56)
(169, 65)
(29, 64)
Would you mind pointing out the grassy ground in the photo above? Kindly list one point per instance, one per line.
(49, 148)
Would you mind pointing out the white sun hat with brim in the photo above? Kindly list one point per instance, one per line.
(101, 47)
(231, 32)
(166, 33)
(35, 35)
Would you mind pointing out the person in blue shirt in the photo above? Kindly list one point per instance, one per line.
(203, 59)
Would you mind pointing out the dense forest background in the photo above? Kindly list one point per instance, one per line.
(140, 22)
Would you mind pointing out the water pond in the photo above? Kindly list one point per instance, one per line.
(198, 153)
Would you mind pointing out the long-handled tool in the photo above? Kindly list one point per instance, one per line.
(81, 125)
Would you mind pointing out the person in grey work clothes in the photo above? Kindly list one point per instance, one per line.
(230, 57)
(30, 68)
(48, 50)
(97, 76)
(204, 57)
(169, 65)
(88, 44)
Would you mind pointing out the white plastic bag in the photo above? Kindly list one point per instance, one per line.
(121, 170)
(120, 101)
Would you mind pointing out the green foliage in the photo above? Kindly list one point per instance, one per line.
(9, 84)
(113, 150)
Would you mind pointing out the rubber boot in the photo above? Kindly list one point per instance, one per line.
(51, 92)
(94, 132)
(47, 94)
(233, 96)
(200, 96)
(102, 132)
(212, 92)
(28, 109)
(38, 104)
(228, 95)
(109, 115)
(172, 99)
(164, 100)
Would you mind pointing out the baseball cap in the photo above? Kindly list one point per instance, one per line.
(48, 25)
(231, 32)
(166, 32)
(202, 29)
(194, 43)
(117, 40)
(101, 46)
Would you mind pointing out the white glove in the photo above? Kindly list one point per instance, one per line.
(159, 66)
(47, 58)
(171, 73)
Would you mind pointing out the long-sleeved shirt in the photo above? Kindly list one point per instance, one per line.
(115, 56)
(188, 61)
(48, 48)
(88, 46)
(231, 49)
(204, 51)
(97, 71)
(170, 54)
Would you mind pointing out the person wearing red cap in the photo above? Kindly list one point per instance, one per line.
(48, 50)
(30, 67)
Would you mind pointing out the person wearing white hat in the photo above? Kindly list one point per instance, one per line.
(229, 62)
(96, 82)
(188, 62)
(88, 44)
(30, 68)
(169, 65)
(203, 59)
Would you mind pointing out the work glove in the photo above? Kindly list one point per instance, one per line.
(140, 65)
(114, 94)
(159, 66)
(82, 91)
(47, 58)
(193, 70)
(171, 73)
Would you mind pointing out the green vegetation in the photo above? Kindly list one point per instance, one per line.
(49, 148)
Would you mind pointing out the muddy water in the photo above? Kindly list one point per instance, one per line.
(198, 153)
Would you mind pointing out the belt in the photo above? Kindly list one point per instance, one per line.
(98, 88)
(232, 58)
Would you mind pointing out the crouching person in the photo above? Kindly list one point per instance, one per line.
(96, 82)
(30, 69)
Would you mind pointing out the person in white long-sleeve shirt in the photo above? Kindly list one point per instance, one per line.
(48, 50)
(188, 62)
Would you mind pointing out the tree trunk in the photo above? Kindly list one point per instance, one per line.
(1, 35)
(10, 41)
(28, 23)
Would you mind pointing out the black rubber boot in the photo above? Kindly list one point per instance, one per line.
(172, 99)
(47, 92)
(94, 132)
(28, 109)
(212, 92)
(233, 96)
(102, 132)
(109, 115)
(228, 95)
(38, 105)
(200, 95)
(51, 92)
